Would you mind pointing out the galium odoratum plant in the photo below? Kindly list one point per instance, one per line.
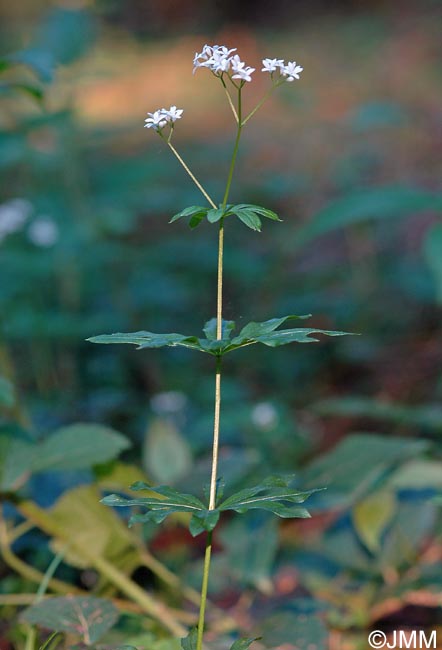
(276, 494)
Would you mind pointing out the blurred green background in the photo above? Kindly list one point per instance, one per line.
(349, 156)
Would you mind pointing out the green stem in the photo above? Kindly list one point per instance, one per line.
(192, 176)
(235, 151)
(216, 419)
(229, 99)
(262, 101)
(204, 587)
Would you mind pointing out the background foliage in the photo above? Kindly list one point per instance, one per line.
(349, 158)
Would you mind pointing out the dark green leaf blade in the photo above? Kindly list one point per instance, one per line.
(254, 329)
(190, 641)
(264, 212)
(192, 211)
(299, 335)
(249, 218)
(274, 495)
(244, 643)
(210, 329)
(215, 214)
(162, 502)
(144, 339)
(203, 521)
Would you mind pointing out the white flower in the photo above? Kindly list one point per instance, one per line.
(271, 65)
(240, 69)
(173, 114)
(13, 215)
(291, 70)
(160, 118)
(215, 57)
(264, 415)
(43, 232)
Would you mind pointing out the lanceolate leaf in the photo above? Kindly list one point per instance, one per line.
(274, 494)
(248, 213)
(194, 211)
(148, 340)
(263, 332)
(243, 644)
(164, 501)
(227, 327)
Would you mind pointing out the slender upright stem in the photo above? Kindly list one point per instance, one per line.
(192, 176)
(204, 587)
(229, 99)
(216, 419)
(262, 101)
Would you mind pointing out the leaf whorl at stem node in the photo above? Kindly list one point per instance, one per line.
(249, 214)
(274, 494)
(254, 332)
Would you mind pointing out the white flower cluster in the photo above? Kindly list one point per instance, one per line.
(163, 117)
(219, 59)
(291, 70)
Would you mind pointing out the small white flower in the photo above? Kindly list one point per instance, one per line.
(271, 65)
(241, 71)
(291, 70)
(214, 57)
(13, 215)
(160, 118)
(156, 120)
(173, 114)
(264, 415)
(43, 232)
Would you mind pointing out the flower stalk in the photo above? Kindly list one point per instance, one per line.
(228, 68)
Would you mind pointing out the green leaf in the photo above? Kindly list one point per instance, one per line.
(7, 393)
(86, 617)
(166, 453)
(264, 212)
(357, 463)
(79, 446)
(432, 249)
(372, 515)
(244, 643)
(227, 326)
(164, 501)
(149, 340)
(252, 333)
(215, 215)
(203, 521)
(253, 330)
(41, 62)
(418, 474)
(249, 218)
(265, 333)
(194, 211)
(190, 641)
(273, 494)
(17, 451)
(367, 205)
(427, 416)
(30, 89)
(301, 335)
